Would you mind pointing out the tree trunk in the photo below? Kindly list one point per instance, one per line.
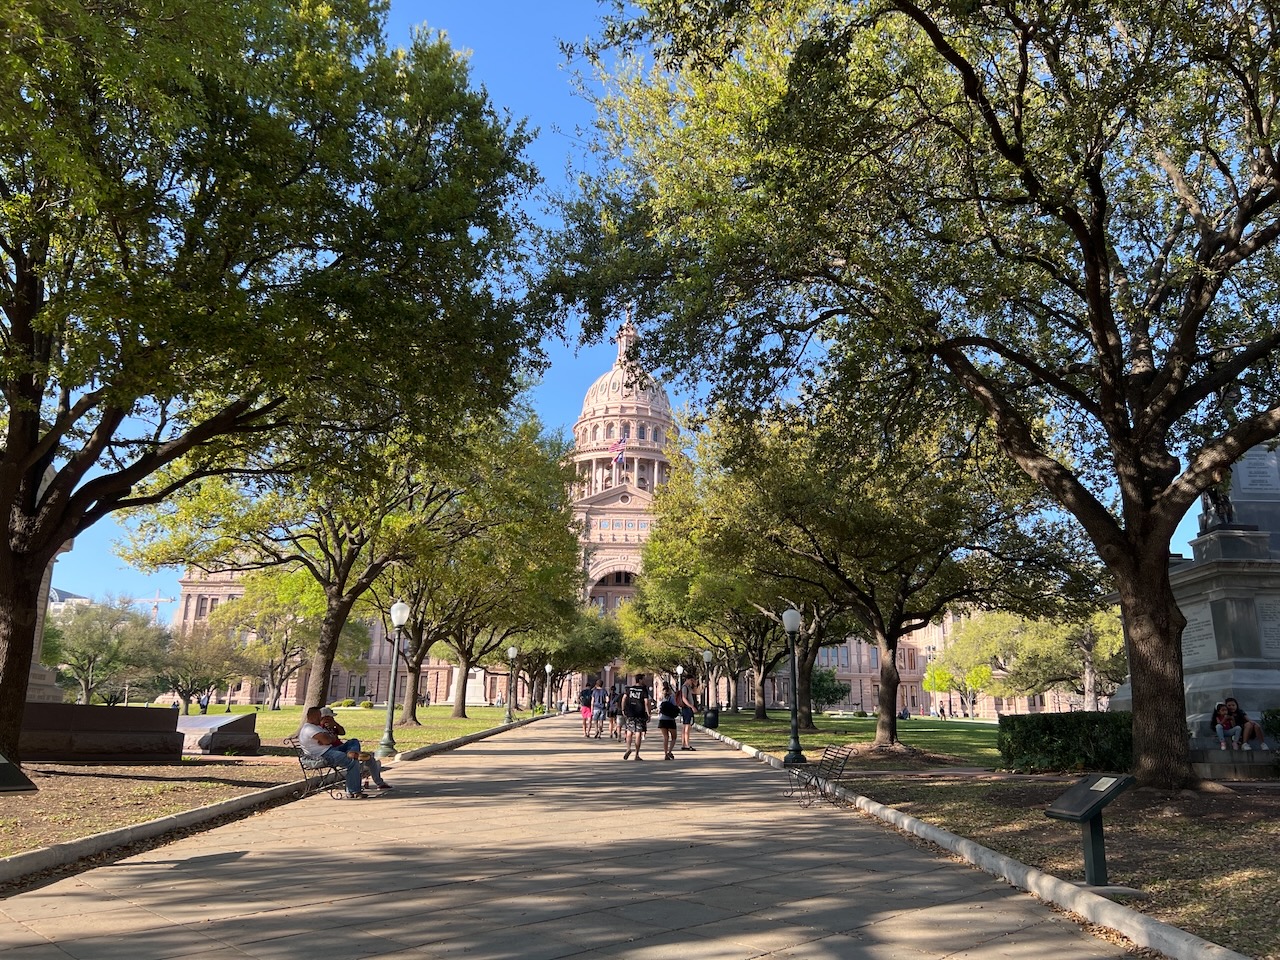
(460, 690)
(19, 609)
(760, 712)
(1089, 680)
(409, 708)
(337, 610)
(887, 721)
(1153, 632)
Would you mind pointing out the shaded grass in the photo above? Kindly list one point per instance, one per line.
(965, 742)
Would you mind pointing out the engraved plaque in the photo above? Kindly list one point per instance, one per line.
(1269, 625)
(1198, 644)
(1256, 476)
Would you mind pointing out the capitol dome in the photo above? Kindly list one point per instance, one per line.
(623, 402)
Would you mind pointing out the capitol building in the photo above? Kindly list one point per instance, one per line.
(618, 454)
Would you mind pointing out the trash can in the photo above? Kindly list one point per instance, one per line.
(711, 718)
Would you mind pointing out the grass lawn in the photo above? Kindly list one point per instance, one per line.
(970, 742)
(367, 725)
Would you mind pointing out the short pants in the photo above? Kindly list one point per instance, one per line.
(637, 724)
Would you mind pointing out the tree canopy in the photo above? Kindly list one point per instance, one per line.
(217, 219)
(1068, 212)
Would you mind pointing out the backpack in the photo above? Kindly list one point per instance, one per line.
(584, 698)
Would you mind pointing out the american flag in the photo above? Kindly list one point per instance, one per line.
(618, 446)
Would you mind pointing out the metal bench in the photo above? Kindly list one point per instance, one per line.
(321, 774)
(808, 781)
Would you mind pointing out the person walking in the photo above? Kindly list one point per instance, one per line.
(611, 709)
(688, 703)
(667, 713)
(598, 698)
(637, 704)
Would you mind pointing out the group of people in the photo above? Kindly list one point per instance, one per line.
(322, 737)
(628, 712)
(1231, 723)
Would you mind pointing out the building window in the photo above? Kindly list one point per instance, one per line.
(875, 658)
(608, 432)
(844, 656)
(202, 607)
(644, 524)
(604, 524)
(640, 432)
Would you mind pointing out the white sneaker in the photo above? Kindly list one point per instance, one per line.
(1222, 744)
(1264, 745)
(1245, 746)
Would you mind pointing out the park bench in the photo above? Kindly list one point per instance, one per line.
(808, 781)
(321, 774)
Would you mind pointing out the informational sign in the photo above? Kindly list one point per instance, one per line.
(1086, 798)
(13, 779)
(1256, 476)
(1269, 624)
(1199, 643)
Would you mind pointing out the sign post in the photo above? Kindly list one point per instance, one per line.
(1083, 804)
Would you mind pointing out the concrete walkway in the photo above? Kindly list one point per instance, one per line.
(539, 844)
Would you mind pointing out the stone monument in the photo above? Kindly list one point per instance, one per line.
(1230, 594)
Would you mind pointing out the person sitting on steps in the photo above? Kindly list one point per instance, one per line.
(1249, 729)
(1224, 728)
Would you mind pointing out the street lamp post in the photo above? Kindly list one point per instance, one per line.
(512, 653)
(791, 624)
(706, 659)
(399, 617)
(548, 669)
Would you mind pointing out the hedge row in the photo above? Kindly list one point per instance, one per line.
(1077, 742)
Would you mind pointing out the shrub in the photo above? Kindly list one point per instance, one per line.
(1044, 742)
(860, 713)
(1271, 722)
(367, 704)
(348, 702)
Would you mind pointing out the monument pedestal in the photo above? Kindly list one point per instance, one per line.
(1230, 596)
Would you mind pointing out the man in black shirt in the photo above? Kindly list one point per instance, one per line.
(637, 704)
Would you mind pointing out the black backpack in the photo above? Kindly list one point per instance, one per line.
(584, 698)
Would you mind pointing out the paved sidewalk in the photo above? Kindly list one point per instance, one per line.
(539, 844)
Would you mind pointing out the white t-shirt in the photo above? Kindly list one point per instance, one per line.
(307, 739)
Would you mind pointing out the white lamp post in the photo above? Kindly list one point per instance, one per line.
(791, 624)
(399, 617)
(548, 669)
(512, 653)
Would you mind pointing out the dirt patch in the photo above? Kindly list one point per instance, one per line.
(79, 800)
(1204, 857)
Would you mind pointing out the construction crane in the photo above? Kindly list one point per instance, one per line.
(155, 604)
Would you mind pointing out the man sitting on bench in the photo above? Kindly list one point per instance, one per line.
(318, 742)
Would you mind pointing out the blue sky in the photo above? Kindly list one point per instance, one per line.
(514, 52)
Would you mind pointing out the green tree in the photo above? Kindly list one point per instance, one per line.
(1032, 656)
(220, 218)
(825, 690)
(277, 619)
(1068, 213)
(890, 535)
(93, 644)
(200, 661)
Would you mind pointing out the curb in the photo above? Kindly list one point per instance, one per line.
(1138, 927)
(62, 854)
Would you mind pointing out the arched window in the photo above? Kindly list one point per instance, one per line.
(640, 432)
(657, 436)
(595, 432)
(626, 430)
(608, 432)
